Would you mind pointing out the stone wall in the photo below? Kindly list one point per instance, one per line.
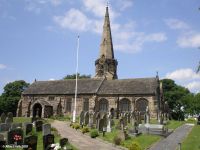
(27, 103)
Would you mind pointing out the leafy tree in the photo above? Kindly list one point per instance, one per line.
(11, 96)
(73, 76)
(174, 95)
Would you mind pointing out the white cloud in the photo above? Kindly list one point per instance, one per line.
(2, 66)
(56, 2)
(183, 74)
(73, 19)
(124, 4)
(176, 24)
(187, 78)
(52, 79)
(125, 38)
(194, 86)
(189, 41)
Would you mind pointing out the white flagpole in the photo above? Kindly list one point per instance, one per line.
(74, 112)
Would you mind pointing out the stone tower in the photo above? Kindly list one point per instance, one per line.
(106, 64)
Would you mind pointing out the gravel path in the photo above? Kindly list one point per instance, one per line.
(82, 142)
(171, 142)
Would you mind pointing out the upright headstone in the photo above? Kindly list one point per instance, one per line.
(8, 121)
(28, 127)
(10, 115)
(2, 142)
(109, 122)
(31, 141)
(46, 129)
(91, 119)
(4, 127)
(15, 137)
(38, 125)
(16, 125)
(48, 140)
(3, 117)
(82, 118)
(86, 118)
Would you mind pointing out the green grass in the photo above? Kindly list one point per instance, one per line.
(144, 140)
(173, 124)
(192, 140)
(21, 119)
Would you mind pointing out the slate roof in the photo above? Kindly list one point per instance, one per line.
(94, 86)
(129, 86)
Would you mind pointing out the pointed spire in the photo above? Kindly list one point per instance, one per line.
(106, 47)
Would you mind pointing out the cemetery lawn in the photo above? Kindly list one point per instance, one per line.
(21, 119)
(192, 140)
(173, 124)
(144, 140)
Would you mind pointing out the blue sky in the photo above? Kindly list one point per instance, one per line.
(38, 38)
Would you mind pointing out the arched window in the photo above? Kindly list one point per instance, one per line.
(141, 104)
(124, 105)
(103, 105)
(68, 105)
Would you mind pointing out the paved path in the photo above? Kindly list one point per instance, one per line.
(82, 142)
(171, 142)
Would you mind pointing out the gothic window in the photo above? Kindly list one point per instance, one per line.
(69, 105)
(124, 105)
(86, 104)
(103, 105)
(51, 98)
(141, 104)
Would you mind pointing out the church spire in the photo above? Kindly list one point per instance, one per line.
(106, 48)
(106, 64)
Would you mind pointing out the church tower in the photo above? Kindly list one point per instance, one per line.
(106, 64)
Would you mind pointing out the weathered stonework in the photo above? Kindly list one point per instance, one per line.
(103, 93)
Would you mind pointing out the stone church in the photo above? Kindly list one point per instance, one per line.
(102, 93)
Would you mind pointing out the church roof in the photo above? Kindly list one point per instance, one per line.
(93, 86)
(129, 86)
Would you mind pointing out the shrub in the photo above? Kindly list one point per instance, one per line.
(76, 126)
(94, 133)
(135, 146)
(85, 130)
(117, 140)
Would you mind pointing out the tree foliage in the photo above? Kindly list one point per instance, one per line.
(73, 76)
(11, 96)
(180, 100)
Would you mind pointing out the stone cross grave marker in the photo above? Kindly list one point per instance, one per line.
(48, 140)
(46, 129)
(28, 127)
(3, 117)
(10, 115)
(38, 125)
(31, 141)
(15, 137)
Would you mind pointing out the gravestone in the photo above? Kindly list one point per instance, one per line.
(8, 121)
(2, 142)
(3, 117)
(16, 125)
(109, 123)
(10, 115)
(31, 141)
(48, 140)
(15, 137)
(101, 125)
(28, 127)
(46, 129)
(82, 118)
(4, 127)
(38, 125)
(91, 119)
(86, 118)
(63, 142)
